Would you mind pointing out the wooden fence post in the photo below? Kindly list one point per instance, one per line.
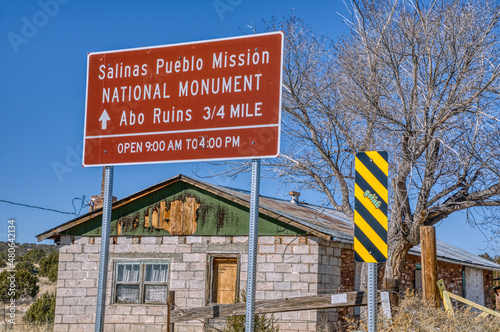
(429, 264)
(170, 303)
(393, 286)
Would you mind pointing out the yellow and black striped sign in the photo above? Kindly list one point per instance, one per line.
(370, 207)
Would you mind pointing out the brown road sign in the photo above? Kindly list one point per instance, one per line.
(208, 100)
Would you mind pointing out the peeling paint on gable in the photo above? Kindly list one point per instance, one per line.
(179, 219)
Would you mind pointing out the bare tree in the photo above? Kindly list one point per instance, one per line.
(419, 79)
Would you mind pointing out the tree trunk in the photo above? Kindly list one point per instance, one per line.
(398, 248)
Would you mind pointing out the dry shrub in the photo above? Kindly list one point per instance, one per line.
(416, 315)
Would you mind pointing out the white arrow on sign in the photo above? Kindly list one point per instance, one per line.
(104, 118)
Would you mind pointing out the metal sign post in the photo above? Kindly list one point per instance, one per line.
(103, 262)
(370, 220)
(252, 246)
(227, 97)
(372, 297)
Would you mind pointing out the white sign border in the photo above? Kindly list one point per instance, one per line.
(183, 160)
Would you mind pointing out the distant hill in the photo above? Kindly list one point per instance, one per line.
(23, 248)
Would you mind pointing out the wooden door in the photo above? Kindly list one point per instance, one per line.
(224, 272)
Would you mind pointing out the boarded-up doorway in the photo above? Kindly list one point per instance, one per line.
(224, 281)
(474, 288)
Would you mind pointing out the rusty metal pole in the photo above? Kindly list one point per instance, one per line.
(429, 264)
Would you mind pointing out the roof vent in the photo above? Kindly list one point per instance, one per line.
(295, 197)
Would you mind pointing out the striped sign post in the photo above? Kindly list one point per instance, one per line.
(370, 219)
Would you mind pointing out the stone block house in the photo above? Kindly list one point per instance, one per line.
(192, 237)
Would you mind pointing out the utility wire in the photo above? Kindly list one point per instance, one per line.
(83, 205)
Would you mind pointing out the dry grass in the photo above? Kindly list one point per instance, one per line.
(46, 286)
(26, 328)
(415, 315)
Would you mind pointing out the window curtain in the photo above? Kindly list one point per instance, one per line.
(155, 273)
(128, 273)
(127, 293)
(155, 294)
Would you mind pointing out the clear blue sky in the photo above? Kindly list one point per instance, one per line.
(43, 58)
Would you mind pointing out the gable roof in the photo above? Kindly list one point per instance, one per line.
(448, 253)
(319, 221)
(322, 222)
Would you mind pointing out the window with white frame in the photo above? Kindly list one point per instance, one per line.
(141, 282)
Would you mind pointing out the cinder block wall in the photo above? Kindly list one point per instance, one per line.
(287, 266)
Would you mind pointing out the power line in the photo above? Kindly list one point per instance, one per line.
(83, 205)
(34, 207)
